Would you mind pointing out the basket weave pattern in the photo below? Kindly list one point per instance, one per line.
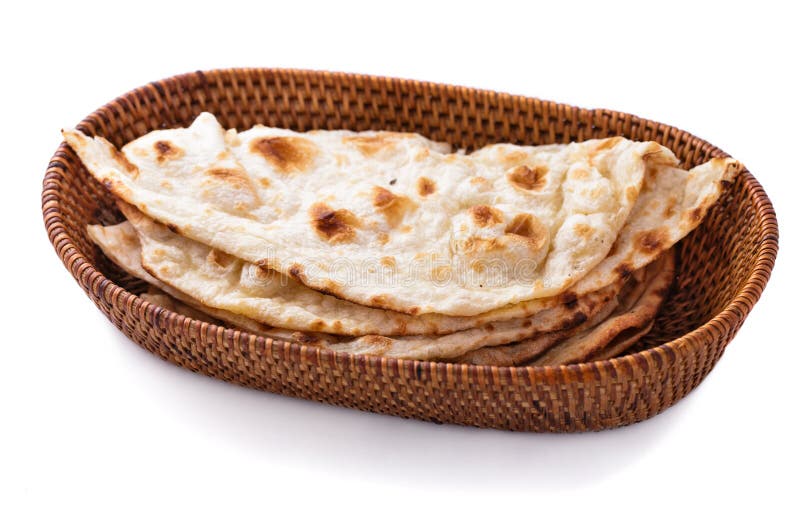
(722, 270)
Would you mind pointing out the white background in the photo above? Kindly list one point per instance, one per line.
(93, 425)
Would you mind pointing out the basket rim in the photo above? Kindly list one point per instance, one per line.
(727, 320)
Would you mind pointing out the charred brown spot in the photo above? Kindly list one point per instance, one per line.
(264, 182)
(569, 299)
(388, 262)
(335, 226)
(162, 147)
(631, 193)
(696, 215)
(286, 153)
(651, 241)
(624, 270)
(166, 151)
(527, 323)
(392, 206)
(413, 310)
(317, 325)
(263, 273)
(171, 227)
(425, 186)
(296, 272)
(489, 327)
(123, 160)
(485, 215)
(528, 179)
(577, 319)
(330, 287)
(383, 238)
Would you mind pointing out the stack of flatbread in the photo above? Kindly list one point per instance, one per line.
(391, 244)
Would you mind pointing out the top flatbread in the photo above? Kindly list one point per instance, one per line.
(395, 221)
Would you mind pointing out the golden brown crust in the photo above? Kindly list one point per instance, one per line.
(425, 186)
(526, 178)
(484, 215)
(286, 153)
(334, 226)
(166, 150)
(392, 206)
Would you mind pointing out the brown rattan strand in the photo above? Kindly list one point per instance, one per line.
(724, 265)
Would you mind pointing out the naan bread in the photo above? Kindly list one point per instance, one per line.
(196, 311)
(492, 334)
(671, 204)
(121, 245)
(221, 280)
(621, 343)
(393, 220)
(607, 334)
(516, 354)
(632, 320)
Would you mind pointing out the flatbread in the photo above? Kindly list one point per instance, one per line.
(491, 334)
(610, 332)
(621, 343)
(462, 234)
(521, 353)
(671, 204)
(121, 244)
(223, 281)
(198, 312)
(622, 329)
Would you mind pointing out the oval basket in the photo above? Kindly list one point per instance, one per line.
(723, 265)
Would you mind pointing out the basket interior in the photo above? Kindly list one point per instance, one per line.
(715, 260)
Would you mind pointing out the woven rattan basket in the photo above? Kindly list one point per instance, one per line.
(723, 265)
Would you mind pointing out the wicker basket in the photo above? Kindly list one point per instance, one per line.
(723, 265)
